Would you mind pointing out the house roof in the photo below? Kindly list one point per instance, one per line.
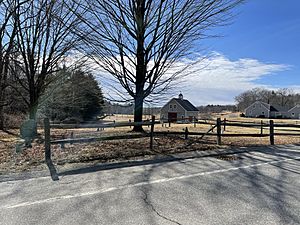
(296, 106)
(277, 108)
(266, 105)
(186, 104)
(272, 108)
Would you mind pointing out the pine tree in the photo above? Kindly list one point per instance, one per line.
(78, 97)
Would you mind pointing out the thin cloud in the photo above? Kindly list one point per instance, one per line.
(213, 79)
(220, 79)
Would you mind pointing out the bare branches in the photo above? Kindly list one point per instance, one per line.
(45, 34)
(165, 30)
(8, 9)
(139, 41)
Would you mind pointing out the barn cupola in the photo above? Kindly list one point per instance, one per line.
(180, 96)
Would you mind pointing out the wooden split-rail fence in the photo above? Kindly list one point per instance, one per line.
(217, 129)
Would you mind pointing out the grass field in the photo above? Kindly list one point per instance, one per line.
(128, 149)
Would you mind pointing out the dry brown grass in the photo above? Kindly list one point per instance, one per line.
(125, 149)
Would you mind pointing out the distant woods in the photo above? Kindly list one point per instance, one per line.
(281, 97)
(284, 97)
(217, 108)
(110, 108)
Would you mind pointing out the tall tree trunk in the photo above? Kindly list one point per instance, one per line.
(3, 80)
(33, 99)
(140, 67)
(32, 112)
(1, 118)
(138, 112)
(33, 116)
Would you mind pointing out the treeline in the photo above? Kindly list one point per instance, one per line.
(115, 108)
(282, 97)
(216, 108)
(127, 109)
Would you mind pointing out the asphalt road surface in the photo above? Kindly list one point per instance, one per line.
(258, 187)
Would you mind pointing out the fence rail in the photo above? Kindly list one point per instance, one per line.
(94, 139)
(272, 128)
(101, 125)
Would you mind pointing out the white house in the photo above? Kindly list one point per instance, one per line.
(262, 109)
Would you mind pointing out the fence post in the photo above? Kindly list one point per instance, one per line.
(186, 133)
(194, 121)
(219, 131)
(272, 132)
(129, 123)
(224, 124)
(151, 132)
(47, 140)
(48, 160)
(72, 137)
(261, 127)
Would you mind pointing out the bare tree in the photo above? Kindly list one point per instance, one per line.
(8, 9)
(250, 96)
(285, 97)
(138, 41)
(44, 37)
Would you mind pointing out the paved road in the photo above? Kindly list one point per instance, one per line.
(261, 187)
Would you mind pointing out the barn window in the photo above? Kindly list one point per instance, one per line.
(174, 106)
(263, 113)
(293, 114)
(170, 106)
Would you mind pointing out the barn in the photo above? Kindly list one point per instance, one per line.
(179, 109)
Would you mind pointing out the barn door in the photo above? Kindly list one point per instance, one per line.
(172, 117)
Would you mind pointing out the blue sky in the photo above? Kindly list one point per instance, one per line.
(261, 48)
(266, 30)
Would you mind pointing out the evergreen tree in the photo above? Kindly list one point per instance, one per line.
(75, 95)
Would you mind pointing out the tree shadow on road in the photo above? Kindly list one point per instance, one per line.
(248, 191)
(258, 188)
